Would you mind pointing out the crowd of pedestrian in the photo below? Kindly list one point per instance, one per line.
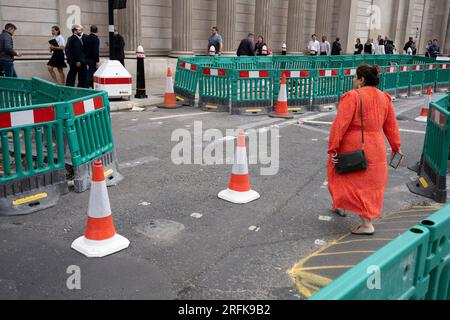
(81, 51)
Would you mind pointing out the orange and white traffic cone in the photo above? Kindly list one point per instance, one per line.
(239, 190)
(100, 239)
(170, 101)
(424, 112)
(281, 109)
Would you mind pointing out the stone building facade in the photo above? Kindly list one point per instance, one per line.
(181, 27)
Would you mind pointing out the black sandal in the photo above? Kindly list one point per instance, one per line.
(341, 213)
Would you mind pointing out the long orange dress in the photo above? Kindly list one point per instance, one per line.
(363, 192)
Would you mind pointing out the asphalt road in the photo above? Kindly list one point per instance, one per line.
(223, 251)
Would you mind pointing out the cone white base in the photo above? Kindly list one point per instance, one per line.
(239, 197)
(100, 249)
(422, 119)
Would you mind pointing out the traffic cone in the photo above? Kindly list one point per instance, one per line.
(281, 109)
(100, 239)
(424, 113)
(239, 190)
(170, 102)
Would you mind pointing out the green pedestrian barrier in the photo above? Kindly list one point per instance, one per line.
(215, 89)
(395, 272)
(252, 92)
(438, 255)
(432, 181)
(32, 166)
(404, 81)
(89, 136)
(430, 76)
(443, 77)
(186, 82)
(348, 77)
(299, 88)
(327, 89)
(416, 87)
(390, 80)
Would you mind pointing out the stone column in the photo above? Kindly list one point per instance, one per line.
(295, 38)
(324, 18)
(443, 43)
(226, 22)
(130, 26)
(182, 28)
(263, 19)
(423, 33)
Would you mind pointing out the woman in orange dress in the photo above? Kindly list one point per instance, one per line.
(363, 192)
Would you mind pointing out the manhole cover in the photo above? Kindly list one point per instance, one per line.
(161, 230)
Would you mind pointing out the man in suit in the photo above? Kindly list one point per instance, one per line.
(118, 48)
(92, 52)
(247, 47)
(76, 57)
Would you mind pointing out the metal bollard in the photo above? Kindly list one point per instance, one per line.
(140, 74)
(212, 51)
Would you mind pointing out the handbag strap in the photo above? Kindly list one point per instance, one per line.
(362, 117)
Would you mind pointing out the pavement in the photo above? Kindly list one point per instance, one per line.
(185, 242)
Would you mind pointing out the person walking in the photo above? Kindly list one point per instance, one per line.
(389, 46)
(336, 49)
(259, 46)
(365, 116)
(92, 53)
(412, 50)
(408, 45)
(314, 46)
(325, 47)
(118, 44)
(57, 46)
(7, 52)
(380, 48)
(358, 46)
(246, 47)
(76, 58)
(216, 41)
(427, 48)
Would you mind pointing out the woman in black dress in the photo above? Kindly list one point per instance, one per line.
(57, 45)
(358, 46)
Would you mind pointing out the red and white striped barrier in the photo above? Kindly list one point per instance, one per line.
(296, 74)
(328, 73)
(188, 66)
(418, 68)
(404, 68)
(350, 72)
(26, 118)
(444, 66)
(431, 67)
(438, 117)
(215, 72)
(87, 106)
(391, 70)
(254, 74)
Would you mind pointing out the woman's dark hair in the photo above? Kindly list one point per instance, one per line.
(56, 28)
(371, 74)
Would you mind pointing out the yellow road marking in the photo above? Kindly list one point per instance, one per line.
(409, 216)
(340, 253)
(36, 197)
(109, 172)
(325, 268)
(364, 240)
(295, 109)
(180, 98)
(211, 107)
(424, 183)
(253, 110)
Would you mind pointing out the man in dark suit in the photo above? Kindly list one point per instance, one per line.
(76, 58)
(118, 48)
(92, 52)
(247, 47)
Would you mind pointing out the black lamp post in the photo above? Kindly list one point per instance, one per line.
(113, 4)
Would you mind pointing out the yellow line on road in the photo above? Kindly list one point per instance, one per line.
(341, 253)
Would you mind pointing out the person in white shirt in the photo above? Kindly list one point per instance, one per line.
(314, 46)
(325, 47)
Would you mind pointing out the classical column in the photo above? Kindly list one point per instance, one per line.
(226, 22)
(263, 19)
(295, 38)
(423, 29)
(129, 25)
(324, 18)
(181, 28)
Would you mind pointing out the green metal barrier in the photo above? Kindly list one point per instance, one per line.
(299, 87)
(215, 89)
(348, 76)
(417, 79)
(186, 82)
(430, 77)
(404, 81)
(395, 272)
(390, 80)
(443, 77)
(252, 92)
(432, 181)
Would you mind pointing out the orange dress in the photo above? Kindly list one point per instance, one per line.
(363, 192)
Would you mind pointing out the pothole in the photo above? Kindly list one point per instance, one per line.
(161, 230)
